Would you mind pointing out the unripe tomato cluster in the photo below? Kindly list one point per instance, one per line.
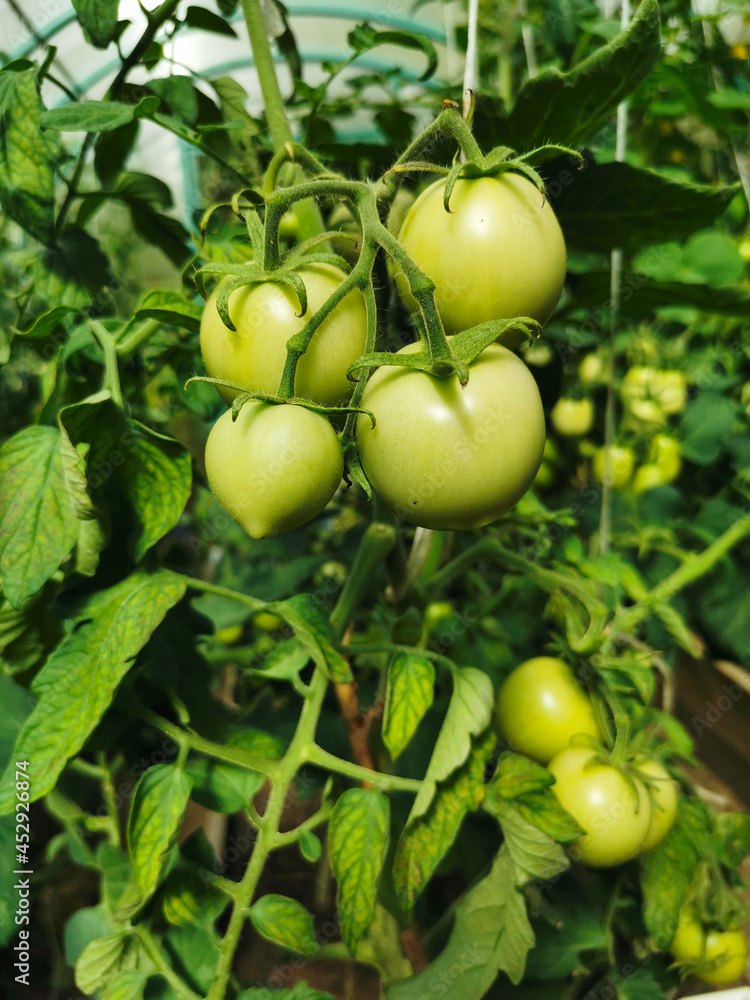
(716, 956)
(439, 454)
(544, 713)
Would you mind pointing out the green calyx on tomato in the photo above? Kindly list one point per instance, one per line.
(572, 417)
(541, 707)
(612, 806)
(265, 315)
(619, 469)
(717, 957)
(273, 468)
(498, 253)
(434, 454)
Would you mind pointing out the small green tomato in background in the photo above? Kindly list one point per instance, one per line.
(666, 454)
(266, 621)
(275, 467)
(648, 477)
(614, 811)
(545, 477)
(591, 369)
(497, 254)
(229, 635)
(572, 417)
(717, 957)
(669, 389)
(541, 707)
(621, 465)
(663, 792)
(266, 316)
(433, 455)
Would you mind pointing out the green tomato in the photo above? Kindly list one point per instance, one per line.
(591, 369)
(572, 417)
(497, 254)
(275, 467)
(614, 812)
(666, 454)
(541, 707)
(230, 635)
(716, 957)
(669, 389)
(266, 621)
(265, 314)
(621, 465)
(662, 790)
(648, 477)
(433, 454)
(436, 612)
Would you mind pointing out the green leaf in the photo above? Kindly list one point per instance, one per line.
(310, 846)
(77, 683)
(668, 870)
(159, 802)
(729, 99)
(205, 20)
(188, 899)
(733, 838)
(535, 855)
(704, 426)
(104, 960)
(179, 95)
(357, 842)
(577, 927)
(618, 205)
(526, 785)
(158, 473)
(98, 18)
(97, 116)
(364, 37)
(300, 991)
(163, 231)
(193, 953)
(570, 107)
(152, 471)
(85, 926)
(223, 787)
(47, 321)
(169, 307)
(309, 621)
(38, 525)
(425, 842)
(638, 985)
(469, 713)
(491, 933)
(516, 775)
(409, 694)
(233, 99)
(127, 985)
(285, 922)
(27, 180)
